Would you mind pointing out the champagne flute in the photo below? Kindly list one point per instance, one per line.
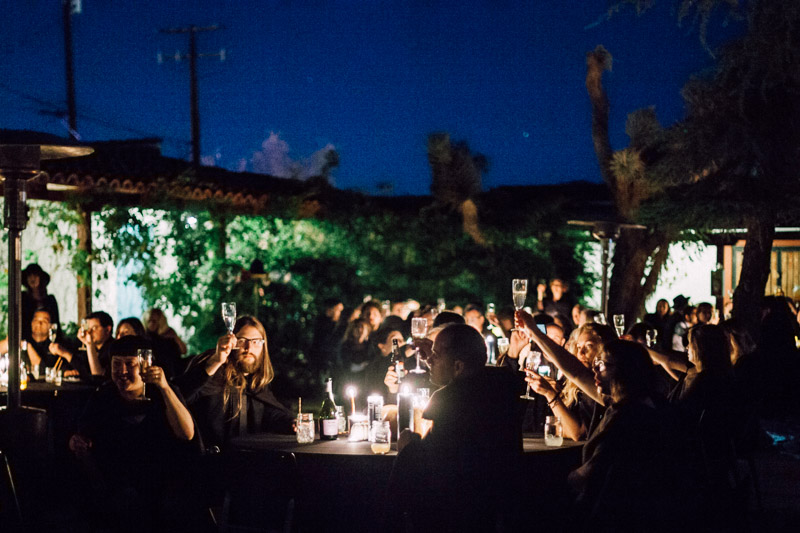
(519, 291)
(619, 324)
(531, 363)
(82, 332)
(145, 356)
(229, 315)
(502, 346)
(419, 328)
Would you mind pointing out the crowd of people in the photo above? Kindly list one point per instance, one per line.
(666, 411)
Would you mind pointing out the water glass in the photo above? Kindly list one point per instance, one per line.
(383, 437)
(342, 420)
(619, 324)
(58, 377)
(305, 428)
(553, 432)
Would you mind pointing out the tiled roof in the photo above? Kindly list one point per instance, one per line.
(135, 171)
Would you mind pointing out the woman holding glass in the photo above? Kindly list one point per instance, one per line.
(577, 411)
(227, 388)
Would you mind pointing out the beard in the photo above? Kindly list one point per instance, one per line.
(245, 365)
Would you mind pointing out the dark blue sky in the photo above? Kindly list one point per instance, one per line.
(370, 78)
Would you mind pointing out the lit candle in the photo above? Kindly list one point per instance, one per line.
(351, 391)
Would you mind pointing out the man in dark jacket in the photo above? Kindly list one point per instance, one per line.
(227, 389)
(454, 478)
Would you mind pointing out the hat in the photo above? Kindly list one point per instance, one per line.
(34, 268)
(679, 302)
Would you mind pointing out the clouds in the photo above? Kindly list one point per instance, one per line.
(274, 159)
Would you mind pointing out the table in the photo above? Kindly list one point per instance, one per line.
(342, 484)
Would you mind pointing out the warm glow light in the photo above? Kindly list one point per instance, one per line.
(351, 392)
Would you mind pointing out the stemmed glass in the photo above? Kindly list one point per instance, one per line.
(419, 328)
(145, 356)
(619, 324)
(229, 315)
(531, 363)
(502, 346)
(53, 334)
(519, 291)
(652, 337)
(82, 332)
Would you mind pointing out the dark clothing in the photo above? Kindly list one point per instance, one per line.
(136, 461)
(29, 307)
(588, 412)
(219, 421)
(167, 355)
(629, 477)
(322, 354)
(42, 350)
(456, 477)
(561, 307)
(375, 373)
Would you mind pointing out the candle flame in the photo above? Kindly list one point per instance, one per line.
(351, 391)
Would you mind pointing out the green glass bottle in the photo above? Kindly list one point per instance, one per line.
(328, 420)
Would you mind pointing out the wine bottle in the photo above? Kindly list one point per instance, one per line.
(328, 420)
(398, 360)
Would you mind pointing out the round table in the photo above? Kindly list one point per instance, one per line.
(341, 485)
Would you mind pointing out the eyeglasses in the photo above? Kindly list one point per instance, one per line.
(244, 344)
(600, 365)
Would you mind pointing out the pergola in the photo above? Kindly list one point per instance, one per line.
(135, 173)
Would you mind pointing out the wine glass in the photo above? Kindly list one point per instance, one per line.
(145, 356)
(419, 328)
(600, 318)
(229, 315)
(82, 332)
(531, 363)
(519, 291)
(619, 324)
(53, 334)
(502, 346)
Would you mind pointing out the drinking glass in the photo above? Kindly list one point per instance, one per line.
(531, 363)
(53, 334)
(305, 428)
(652, 337)
(440, 304)
(553, 432)
(58, 376)
(419, 328)
(600, 318)
(82, 332)
(519, 291)
(619, 324)
(382, 433)
(229, 315)
(502, 346)
(145, 356)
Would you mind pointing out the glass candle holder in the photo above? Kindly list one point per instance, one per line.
(305, 428)
(553, 432)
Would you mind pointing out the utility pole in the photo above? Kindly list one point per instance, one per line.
(194, 95)
(68, 7)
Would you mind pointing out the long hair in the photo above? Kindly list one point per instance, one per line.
(160, 319)
(711, 347)
(235, 381)
(601, 335)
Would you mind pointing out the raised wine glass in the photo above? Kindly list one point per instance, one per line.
(419, 328)
(229, 315)
(82, 332)
(519, 291)
(145, 356)
(531, 363)
(619, 324)
(53, 333)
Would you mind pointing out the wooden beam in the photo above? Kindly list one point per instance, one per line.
(85, 245)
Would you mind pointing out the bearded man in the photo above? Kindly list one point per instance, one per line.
(227, 389)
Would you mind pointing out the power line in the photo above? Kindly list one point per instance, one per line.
(194, 97)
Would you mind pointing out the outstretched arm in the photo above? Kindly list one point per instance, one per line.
(565, 361)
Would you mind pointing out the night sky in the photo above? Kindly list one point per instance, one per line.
(370, 78)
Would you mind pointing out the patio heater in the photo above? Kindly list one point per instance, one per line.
(604, 231)
(21, 153)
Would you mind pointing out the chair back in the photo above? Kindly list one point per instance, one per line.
(10, 512)
(261, 491)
